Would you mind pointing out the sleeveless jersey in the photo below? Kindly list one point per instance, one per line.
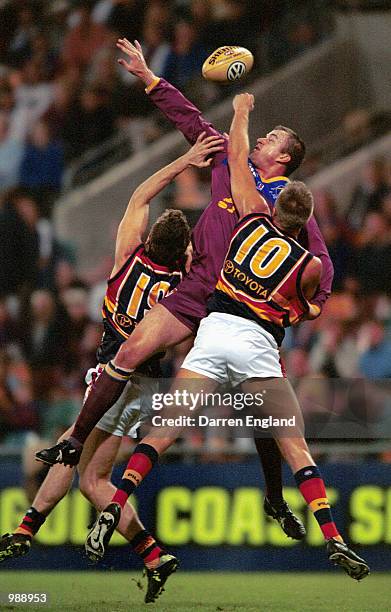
(261, 276)
(131, 292)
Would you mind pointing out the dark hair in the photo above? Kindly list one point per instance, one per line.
(168, 239)
(294, 206)
(295, 148)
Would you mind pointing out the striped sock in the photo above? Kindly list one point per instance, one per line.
(146, 547)
(311, 485)
(140, 464)
(118, 373)
(31, 523)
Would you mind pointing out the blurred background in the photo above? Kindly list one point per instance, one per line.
(77, 134)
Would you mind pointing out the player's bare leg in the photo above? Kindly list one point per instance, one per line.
(55, 486)
(97, 460)
(95, 467)
(158, 331)
(140, 464)
(156, 442)
(281, 402)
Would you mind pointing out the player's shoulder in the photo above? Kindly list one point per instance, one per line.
(256, 216)
(123, 263)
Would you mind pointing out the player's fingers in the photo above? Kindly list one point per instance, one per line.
(130, 47)
(213, 139)
(124, 64)
(215, 145)
(138, 46)
(125, 49)
(201, 137)
(124, 42)
(214, 149)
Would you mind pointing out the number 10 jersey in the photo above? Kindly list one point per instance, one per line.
(261, 276)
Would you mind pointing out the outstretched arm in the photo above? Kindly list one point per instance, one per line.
(135, 220)
(178, 109)
(244, 193)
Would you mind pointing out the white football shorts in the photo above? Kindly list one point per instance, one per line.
(232, 349)
(133, 407)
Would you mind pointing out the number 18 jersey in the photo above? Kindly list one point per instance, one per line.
(261, 276)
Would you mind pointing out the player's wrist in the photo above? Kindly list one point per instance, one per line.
(242, 111)
(148, 77)
(186, 159)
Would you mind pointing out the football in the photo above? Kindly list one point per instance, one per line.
(228, 63)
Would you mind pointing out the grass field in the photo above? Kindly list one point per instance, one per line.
(217, 592)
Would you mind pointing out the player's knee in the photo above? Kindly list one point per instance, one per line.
(87, 486)
(129, 355)
(295, 452)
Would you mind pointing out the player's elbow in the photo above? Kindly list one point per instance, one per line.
(139, 198)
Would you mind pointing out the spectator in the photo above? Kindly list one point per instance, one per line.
(126, 17)
(337, 235)
(56, 115)
(368, 195)
(155, 46)
(75, 301)
(186, 56)
(42, 53)
(42, 166)
(89, 122)
(7, 99)
(11, 152)
(46, 341)
(10, 332)
(19, 244)
(20, 45)
(33, 97)
(83, 40)
(65, 277)
(375, 358)
(18, 412)
(371, 262)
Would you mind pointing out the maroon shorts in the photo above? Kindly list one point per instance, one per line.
(188, 303)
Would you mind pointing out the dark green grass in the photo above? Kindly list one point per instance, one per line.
(209, 591)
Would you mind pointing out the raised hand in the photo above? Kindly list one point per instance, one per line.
(135, 64)
(204, 146)
(243, 101)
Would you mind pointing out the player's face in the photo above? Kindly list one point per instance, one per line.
(271, 149)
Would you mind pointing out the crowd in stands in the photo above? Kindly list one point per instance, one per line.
(60, 94)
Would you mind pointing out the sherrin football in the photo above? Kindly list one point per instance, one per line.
(227, 64)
